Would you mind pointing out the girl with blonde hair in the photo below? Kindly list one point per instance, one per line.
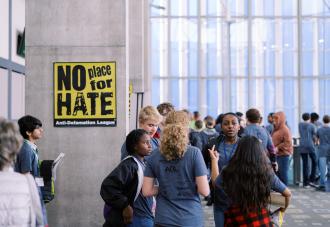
(182, 176)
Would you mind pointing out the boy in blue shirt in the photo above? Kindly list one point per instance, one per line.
(27, 159)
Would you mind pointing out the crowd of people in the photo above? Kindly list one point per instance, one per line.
(170, 162)
(233, 161)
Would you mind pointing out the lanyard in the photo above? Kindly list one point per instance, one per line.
(231, 153)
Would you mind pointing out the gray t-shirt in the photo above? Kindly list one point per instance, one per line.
(307, 133)
(178, 202)
(323, 134)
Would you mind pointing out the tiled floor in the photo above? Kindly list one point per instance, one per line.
(308, 208)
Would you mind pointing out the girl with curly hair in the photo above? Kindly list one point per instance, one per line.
(181, 173)
(247, 181)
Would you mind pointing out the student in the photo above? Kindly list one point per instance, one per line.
(19, 198)
(121, 189)
(209, 131)
(245, 184)
(28, 157)
(164, 109)
(194, 135)
(181, 173)
(307, 133)
(270, 126)
(226, 145)
(282, 140)
(254, 129)
(149, 120)
(323, 135)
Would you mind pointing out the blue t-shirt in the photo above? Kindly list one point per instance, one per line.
(27, 159)
(276, 185)
(226, 152)
(262, 134)
(307, 133)
(178, 202)
(143, 205)
(323, 134)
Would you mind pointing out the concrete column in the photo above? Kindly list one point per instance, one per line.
(76, 31)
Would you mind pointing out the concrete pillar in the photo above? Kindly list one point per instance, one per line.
(76, 31)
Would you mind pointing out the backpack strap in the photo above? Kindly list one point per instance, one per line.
(139, 173)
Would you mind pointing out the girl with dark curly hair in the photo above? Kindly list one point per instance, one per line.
(247, 181)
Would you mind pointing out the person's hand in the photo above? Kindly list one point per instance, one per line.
(214, 154)
(128, 214)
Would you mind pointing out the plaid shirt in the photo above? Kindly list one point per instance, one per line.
(235, 217)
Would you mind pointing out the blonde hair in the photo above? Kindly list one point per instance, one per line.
(174, 141)
(177, 117)
(10, 142)
(149, 113)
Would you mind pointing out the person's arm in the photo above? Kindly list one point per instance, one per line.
(287, 195)
(203, 187)
(114, 185)
(214, 163)
(278, 186)
(148, 187)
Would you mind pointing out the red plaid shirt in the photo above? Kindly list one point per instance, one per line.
(235, 217)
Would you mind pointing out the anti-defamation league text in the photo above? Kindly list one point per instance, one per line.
(75, 122)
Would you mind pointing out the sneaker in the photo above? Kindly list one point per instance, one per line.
(307, 186)
(313, 184)
(321, 188)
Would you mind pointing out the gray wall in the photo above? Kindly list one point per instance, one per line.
(74, 31)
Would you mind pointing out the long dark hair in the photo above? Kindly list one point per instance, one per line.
(247, 178)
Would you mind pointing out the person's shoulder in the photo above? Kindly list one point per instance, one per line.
(14, 176)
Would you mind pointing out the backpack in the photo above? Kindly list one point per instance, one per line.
(48, 190)
(107, 208)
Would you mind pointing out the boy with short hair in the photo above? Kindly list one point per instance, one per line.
(27, 159)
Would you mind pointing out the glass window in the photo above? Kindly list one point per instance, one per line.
(158, 7)
(274, 7)
(213, 46)
(18, 24)
(214, 96)
(4, 29)
(179, 8)
(238, 48)
(155, 92)
(193, 91)
(17, 95)
(318, 8)
(3, 93)
(324, 97)
(239, 95)
(159, 47)
(184, 47)
(308, 93)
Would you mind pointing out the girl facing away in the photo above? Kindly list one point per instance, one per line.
(121, 189)
(247, 181)
(182, 176)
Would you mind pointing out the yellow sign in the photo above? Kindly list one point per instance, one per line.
(84, 94)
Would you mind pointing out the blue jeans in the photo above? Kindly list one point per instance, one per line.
(283, 168)
(323, 170)
(219, 217)
(141, 222)
(306, 177)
